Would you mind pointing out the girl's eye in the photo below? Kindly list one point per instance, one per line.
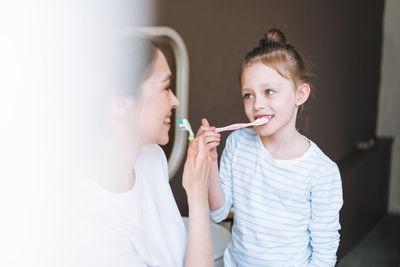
(269, 92)
(247, 96)
(168, 88)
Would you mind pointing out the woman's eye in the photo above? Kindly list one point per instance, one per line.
(247, 96)
(269, 92)
(168, 88)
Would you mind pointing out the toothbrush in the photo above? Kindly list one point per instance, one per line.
(185, 125)
(257, 122)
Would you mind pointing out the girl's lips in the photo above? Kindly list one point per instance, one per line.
(268, 117)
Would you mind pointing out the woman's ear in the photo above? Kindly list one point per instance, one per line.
(302, 94)
(120, 106)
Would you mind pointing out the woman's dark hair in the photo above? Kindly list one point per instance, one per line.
(129, 62)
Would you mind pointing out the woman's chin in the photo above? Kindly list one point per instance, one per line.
(163, 140)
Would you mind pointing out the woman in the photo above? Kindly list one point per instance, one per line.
(134, 220)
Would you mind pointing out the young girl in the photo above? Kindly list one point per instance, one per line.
(285, 191)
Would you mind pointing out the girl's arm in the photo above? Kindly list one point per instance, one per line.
(216, 196)
(326, 201)
(195, 181)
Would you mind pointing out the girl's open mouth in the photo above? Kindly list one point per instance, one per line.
(268, 117)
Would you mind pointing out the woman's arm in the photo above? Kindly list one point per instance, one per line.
(212, 138)
(195, 181)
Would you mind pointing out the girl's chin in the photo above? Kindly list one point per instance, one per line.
(262, 131)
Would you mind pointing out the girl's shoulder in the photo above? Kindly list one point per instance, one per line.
(244, 133)
(320, 160)
(245, 137)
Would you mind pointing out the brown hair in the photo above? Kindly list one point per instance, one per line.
(137, 55)
(128, 60)
(274, 51)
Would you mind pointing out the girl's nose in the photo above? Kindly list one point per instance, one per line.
(259, 103)
(174, 100)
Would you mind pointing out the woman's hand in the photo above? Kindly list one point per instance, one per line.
(195, 181)
(196, 170)
(211, 137)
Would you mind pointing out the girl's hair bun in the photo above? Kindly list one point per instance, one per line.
(273, 36)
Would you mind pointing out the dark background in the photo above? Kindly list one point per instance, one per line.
(340, 40)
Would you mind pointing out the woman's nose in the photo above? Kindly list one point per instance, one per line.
(174, 100)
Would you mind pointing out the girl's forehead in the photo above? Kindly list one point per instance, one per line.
(261, 74)
(260, 68)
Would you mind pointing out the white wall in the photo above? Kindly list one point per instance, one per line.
(47, 79)
(389, 99)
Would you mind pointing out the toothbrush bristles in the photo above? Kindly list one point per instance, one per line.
(185, 125)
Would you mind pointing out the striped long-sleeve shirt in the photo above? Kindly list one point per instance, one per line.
(286, 211)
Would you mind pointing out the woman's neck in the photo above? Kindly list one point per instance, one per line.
(115, 163)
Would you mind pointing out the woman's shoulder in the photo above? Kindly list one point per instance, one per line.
(152, 149)
(152, 152)
(152, 158)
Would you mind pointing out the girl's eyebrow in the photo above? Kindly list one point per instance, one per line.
(266, 85)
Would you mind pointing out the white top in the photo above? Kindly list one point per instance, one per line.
(141, 227)
(286, 211)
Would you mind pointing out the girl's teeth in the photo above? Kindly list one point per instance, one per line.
(167, 120)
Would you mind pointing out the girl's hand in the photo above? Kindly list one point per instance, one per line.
(212, 138)
(195, 173)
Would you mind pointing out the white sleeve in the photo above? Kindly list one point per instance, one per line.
(326, 201)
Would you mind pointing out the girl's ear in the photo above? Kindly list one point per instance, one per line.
(302, 94)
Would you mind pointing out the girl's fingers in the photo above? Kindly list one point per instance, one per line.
(210, 131)
(205, 127)
(199, 131)
(211, 139)
(212, 145)
(211, 134)
(204, 121)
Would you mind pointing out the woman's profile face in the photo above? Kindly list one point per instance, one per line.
(156, 103)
